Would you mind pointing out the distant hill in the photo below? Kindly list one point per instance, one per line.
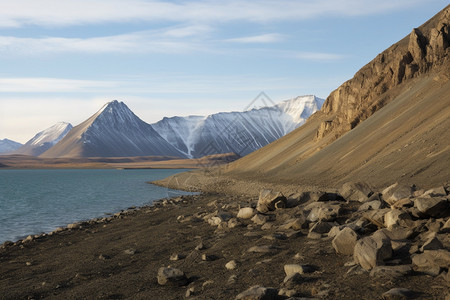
(7, 145)
(45, 139)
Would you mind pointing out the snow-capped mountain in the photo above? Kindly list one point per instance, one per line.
(113, 131)
(7, 145)
(238, 132)
(45, 139)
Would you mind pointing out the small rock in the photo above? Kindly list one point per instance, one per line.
(200, 246)
(259, 219)
(175, 257)
(261, 249)
(258, 292)
(314, 236)
(323, 211)
(398, 294)
(207, 257)
(104, 257)
(231, 265)
(389, 272)
(168, 275)
(233, 222)
(344, 242)
(321, 227)
(232, 279)
(436, 192)
(268, 199)
(246, 213)
(292, 279)
(371, 205)
(296, 223)
(190, 292)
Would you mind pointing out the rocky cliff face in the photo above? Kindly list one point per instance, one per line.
(426, 48)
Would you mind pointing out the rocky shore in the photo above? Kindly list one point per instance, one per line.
(354, 243)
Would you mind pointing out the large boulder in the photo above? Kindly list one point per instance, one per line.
(173, 276)
(323, 211)
(433, 207)
(270, 200)
(373, 250)
(431, 261)
(396, 192)
(344, 242)
(355, 191)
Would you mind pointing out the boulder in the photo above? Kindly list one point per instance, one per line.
(168, 275)
(258, 292)
(432, 243)
(322, 227)
(371, 205)
(344, 242)
(323, 211)
(431, 261)
(355, 191)
(295, 224)
(246, 213)
(373, 250)
(231, 265)
(436, 192)
(394, 217)
(269, 201)
(396, 192)
(433, 207)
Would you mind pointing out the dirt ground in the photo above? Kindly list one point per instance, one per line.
(119, 257)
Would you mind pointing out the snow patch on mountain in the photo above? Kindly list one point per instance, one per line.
(238, 132)
(7, 145)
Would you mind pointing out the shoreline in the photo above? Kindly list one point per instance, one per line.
(118, 257)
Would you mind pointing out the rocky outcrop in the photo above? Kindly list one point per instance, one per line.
(357, 99)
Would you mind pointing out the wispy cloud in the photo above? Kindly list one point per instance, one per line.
(263, 38)
(170, 40)
(68, 12)
(45, 85)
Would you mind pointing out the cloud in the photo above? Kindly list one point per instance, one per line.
(316, 56)
(263, 38)
(171, 40)
(52, 85)
(68, 12)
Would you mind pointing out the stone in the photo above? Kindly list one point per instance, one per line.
(431, 261)
(405, 202)
(376, 216)
(233, 222)
(246, 213)
(335, 230)
(433, 207)
(373, 250)
(312, 196)
(371, 205)
(259, 219)
(268, 199)
(130, 251)
(394, 217)
(322, 227)
(291, 269)
(355, 191)
(295, 224)
(314, 235)
(398, 294)
(396, 192)
(175, 257)
(432, 243)
(258, 292)
(436, 192)
(292, 279)
(446, 227)
(390, 272)
(168, 275)
(261, 249)
(344, 242)
(231, 265)
(323, 211)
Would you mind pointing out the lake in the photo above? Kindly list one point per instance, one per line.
(36, 201)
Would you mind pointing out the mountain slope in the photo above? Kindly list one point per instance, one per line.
(45, 139)
(7, 145)
(390, 122)
(238, 132)
(113, 131)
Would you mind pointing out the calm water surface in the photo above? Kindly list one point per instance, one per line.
(36, 201)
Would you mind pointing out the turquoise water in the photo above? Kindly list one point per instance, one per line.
(36, 201)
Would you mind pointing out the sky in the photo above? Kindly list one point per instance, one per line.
(62, 60)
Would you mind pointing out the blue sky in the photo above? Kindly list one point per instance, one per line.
(61, 60)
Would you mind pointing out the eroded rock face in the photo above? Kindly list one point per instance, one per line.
(358, 98)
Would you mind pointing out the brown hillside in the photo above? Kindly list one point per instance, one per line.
(405, 91)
